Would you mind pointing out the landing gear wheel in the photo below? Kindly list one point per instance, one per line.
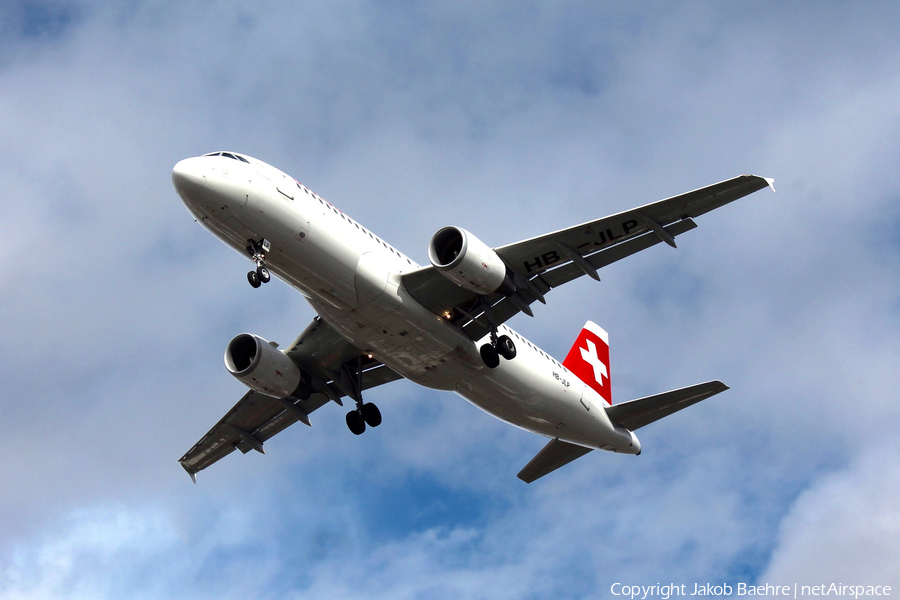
(264, 275)
(506, 348)
(355, 422)
(371, 415)
(253, 278)
(489, 356)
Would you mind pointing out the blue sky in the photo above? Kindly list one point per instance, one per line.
(508, 119)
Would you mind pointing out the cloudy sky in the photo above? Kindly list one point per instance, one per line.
(508, 119)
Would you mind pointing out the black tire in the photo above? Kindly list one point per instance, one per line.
(489, 356)
(371, 415)
(253, 278)
(355, 422)
(264, 275)
(506, 348)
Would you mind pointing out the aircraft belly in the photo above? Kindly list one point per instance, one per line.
(407, 337)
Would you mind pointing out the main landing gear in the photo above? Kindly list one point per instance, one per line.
(498, 346)
(491, 353)
(257, 251)
(366, 413)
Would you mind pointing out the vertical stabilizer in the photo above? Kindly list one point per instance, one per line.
(589, 359)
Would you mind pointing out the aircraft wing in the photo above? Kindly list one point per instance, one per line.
(548, 261)
(320, 351)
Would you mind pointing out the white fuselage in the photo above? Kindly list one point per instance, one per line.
(351, 277)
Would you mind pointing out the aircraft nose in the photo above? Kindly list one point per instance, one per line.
(187, 178)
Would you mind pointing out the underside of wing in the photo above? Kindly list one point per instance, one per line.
(467, 309)
(638, 413)
(543, 252)
(540, 264)
(322, 353)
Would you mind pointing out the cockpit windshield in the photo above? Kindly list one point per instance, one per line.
(229, 155)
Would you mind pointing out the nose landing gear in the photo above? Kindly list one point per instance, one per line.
(258, 277)
(257, 251)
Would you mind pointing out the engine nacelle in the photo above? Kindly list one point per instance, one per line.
(468, 262)
(264, 368)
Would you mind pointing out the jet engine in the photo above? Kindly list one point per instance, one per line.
(469, 262)
(264, 368)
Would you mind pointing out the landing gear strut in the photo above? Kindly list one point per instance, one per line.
(498, 346)
(365, 413)
(257, 251)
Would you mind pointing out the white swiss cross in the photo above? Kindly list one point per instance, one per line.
(589, 356)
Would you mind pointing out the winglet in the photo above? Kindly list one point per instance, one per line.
(193, 474)
(770, 181)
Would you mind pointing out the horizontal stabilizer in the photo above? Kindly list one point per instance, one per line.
(554, 455)
(637, 413)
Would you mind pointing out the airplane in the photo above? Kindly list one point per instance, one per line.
(382, 317)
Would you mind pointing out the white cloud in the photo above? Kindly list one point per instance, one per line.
(846, 527)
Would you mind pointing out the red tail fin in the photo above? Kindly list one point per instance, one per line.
(589, 359)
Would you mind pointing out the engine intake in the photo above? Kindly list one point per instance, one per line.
(264, 368)
(468, 262)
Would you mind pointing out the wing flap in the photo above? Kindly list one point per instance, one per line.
(643, 411)
(554, 455)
